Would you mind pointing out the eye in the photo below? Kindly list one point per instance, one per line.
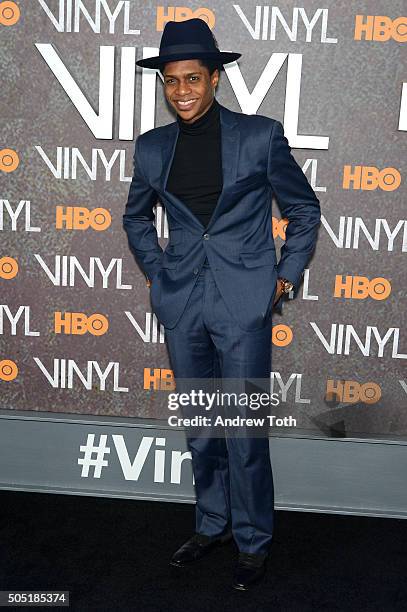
(194, 77)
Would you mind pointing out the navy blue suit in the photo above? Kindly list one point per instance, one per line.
(217, 316)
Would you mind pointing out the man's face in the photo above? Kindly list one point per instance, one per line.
(188, 81)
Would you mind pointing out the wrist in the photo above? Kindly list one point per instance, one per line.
(285, 285)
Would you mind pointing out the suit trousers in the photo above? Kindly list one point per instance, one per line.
(233, 474)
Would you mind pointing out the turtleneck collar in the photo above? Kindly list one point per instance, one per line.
(201, 125)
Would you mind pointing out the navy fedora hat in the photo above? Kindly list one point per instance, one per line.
(189, 39)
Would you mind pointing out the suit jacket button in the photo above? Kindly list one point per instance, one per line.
(206, 236)
(196, 270)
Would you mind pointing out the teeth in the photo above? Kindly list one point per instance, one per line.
(185, 103)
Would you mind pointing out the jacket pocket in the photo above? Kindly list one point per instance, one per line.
(261, 257)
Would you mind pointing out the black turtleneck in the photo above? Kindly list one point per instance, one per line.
(196, 172)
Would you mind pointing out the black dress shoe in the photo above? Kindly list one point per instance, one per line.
(249, 569)
(197, 547)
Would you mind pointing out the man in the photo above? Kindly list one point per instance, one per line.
(216, 284)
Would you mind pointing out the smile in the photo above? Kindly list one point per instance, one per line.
(187, 104)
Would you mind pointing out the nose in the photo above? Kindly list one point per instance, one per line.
(183, 88)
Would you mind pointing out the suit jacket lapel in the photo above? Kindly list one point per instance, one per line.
(230, 139)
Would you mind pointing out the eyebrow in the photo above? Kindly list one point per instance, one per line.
(187, 74)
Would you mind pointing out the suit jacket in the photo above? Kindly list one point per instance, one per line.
(238, 241)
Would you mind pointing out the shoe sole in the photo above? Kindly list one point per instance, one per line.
(238, 587)
(173, 564)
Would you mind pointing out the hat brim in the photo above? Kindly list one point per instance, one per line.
(223, 57)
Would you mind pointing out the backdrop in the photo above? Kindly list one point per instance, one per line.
(76, 328)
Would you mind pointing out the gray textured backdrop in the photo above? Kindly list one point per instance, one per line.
(350, 92)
